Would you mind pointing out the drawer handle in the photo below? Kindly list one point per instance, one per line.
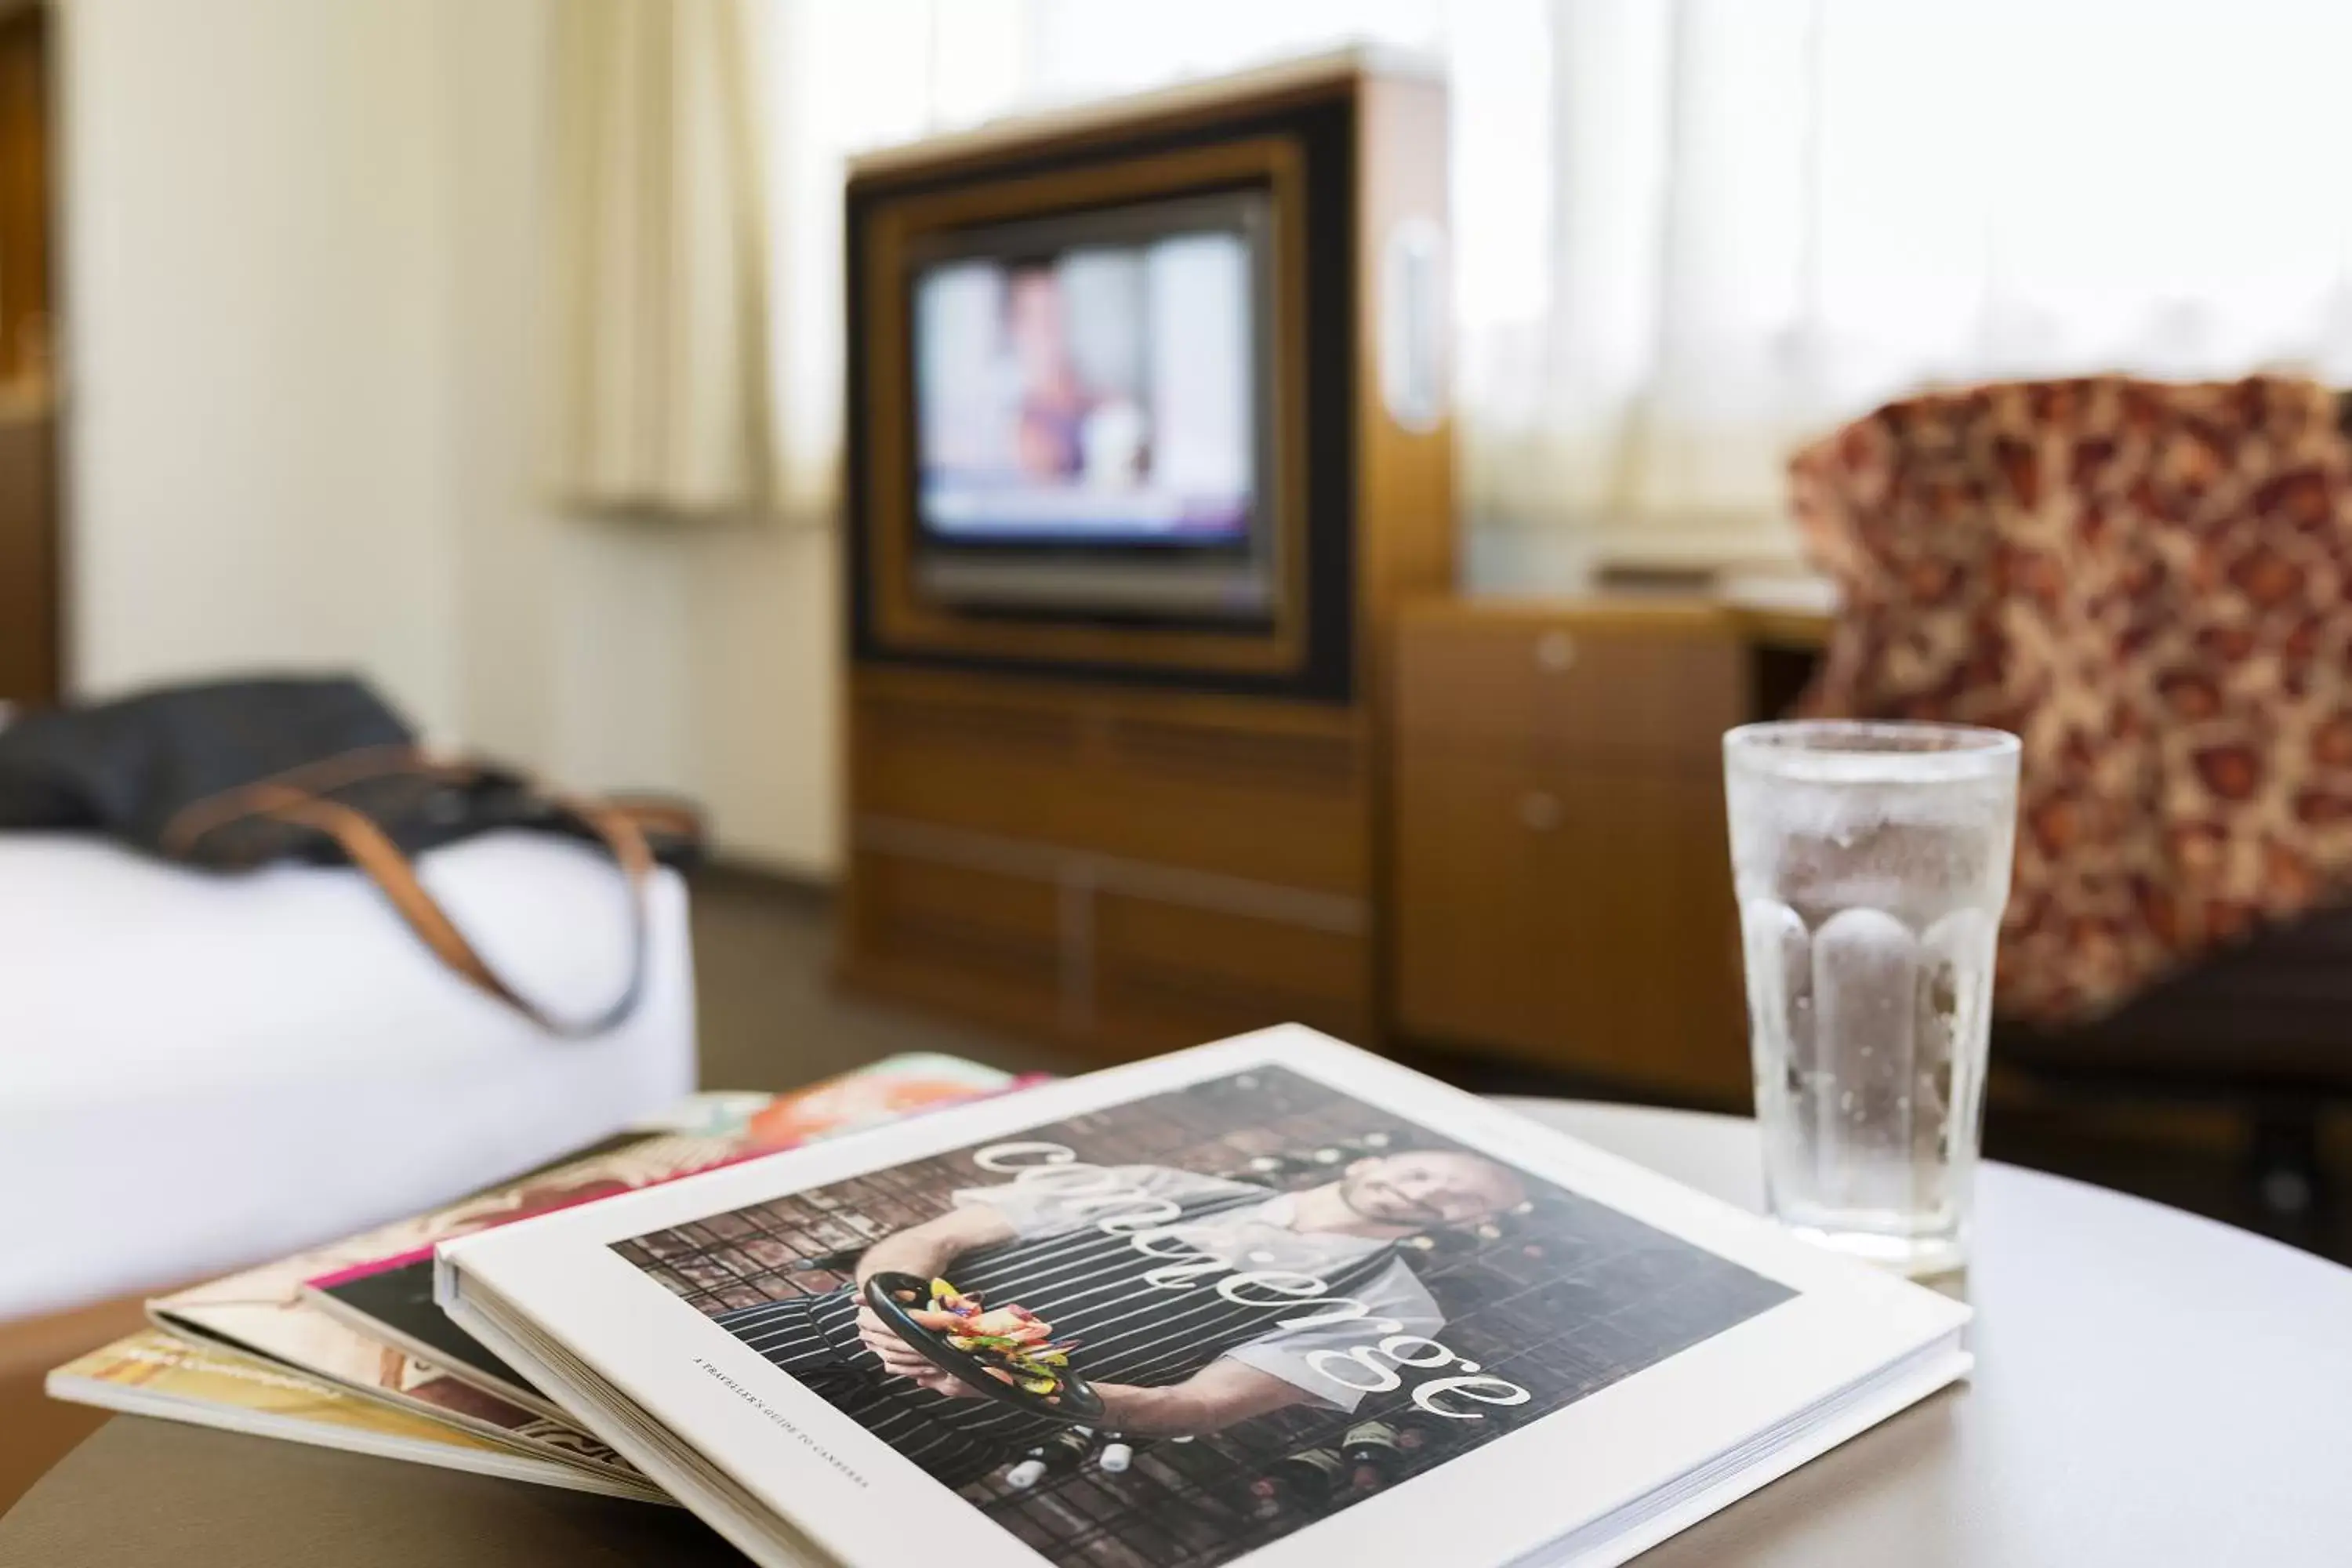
(1555, 651)
(1540, 811)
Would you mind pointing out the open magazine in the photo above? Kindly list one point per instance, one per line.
(414, 1363)
(387, 1295)
(152, 1373)
(1273, 1300)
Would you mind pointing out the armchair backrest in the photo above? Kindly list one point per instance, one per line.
(2151, 585)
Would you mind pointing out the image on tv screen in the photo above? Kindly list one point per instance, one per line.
(1098, 394)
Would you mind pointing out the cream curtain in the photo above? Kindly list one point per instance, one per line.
(1769, 215)
(657, 261)
(1689, 233)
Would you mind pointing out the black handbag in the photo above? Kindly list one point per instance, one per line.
(230, 775)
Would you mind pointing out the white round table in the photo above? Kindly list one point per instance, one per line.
(2151, 1388)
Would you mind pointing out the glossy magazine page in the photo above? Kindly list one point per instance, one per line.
(268, 1311)
(1273, 1299)
(151, 1374)
(387, 1295)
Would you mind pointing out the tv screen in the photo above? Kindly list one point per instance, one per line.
(1093, 382)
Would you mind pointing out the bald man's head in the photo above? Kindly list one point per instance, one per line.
(1431, 1186)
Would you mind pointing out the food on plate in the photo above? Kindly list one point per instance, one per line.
(1014, 1345)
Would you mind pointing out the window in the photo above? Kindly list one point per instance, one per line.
(1688, 233)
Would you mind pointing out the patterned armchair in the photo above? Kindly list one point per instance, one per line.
(2152, 586)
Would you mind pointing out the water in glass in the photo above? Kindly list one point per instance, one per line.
(1871, 862)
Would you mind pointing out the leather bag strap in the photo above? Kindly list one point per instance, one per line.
(198, 817)
(377, 857)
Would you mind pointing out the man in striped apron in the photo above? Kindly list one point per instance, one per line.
(1196, 1301)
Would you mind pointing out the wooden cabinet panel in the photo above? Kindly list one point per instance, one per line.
(1113, 958)
(28, 574)
(970, 941)
(1167, 974)
(1561, 880)
(1287, 806)
(1654, 983)
(1653, 680)
(1479, 915)
(30, 504)
(1578, 915)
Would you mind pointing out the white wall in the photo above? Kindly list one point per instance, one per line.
(302, 269)
(257, 356)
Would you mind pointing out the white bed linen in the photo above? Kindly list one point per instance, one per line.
(199, 1071)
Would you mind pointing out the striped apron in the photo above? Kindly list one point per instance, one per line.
(1088, 1283)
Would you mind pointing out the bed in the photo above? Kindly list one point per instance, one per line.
(197, 1072)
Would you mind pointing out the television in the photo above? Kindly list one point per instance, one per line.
(1138, 392)
(1092, 396)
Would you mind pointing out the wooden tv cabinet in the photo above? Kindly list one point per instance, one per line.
(1127, 835)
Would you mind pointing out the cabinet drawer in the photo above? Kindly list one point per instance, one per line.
(1478, 924)
(1662, 682)
(1576, 914)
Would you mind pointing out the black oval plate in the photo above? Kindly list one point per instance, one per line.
(1078, 1404)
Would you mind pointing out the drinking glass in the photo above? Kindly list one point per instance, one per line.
(1871, 862)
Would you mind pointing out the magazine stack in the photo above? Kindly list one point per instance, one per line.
(1272, 1301)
